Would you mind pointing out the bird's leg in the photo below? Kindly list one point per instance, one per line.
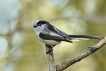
(49, 48)
(49, 51)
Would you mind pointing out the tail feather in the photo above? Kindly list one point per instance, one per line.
(85, 37)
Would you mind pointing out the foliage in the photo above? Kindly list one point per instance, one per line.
(71, 16)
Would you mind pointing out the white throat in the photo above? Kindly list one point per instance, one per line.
(39, 29)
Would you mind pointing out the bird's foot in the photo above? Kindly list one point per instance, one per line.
(49, 51)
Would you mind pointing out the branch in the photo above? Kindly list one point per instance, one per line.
(86, 53)
(50, 58)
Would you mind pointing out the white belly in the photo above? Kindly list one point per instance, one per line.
(49, 42)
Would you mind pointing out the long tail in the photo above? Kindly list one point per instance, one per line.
(85, 37)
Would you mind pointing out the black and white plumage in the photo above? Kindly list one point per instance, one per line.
(52, 36)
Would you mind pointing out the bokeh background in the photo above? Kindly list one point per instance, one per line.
(20, 50)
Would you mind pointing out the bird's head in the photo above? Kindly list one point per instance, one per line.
(39, 25)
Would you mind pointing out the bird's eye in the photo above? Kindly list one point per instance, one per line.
(39, 24)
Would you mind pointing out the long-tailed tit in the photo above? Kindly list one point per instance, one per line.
(52, 36)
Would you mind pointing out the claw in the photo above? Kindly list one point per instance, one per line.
(49, 51)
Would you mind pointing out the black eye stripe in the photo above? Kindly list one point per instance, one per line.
(41, 22)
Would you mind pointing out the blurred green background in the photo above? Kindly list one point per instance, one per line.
(20, 50)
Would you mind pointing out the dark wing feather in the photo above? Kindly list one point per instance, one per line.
(52, 37)
(59, 32)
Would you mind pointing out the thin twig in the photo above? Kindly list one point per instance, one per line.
(86, 53)
(50, 58)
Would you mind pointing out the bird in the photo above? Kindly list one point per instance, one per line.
(51, 36)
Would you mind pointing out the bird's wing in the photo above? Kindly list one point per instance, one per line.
(52, 37)
(59, 32)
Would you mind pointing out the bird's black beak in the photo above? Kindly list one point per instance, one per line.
(34, 26)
